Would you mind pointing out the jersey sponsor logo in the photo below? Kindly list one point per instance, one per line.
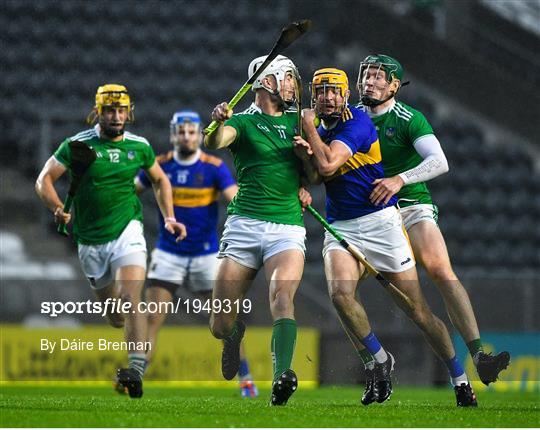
(263, 128)
(194, 197)
(114, 155)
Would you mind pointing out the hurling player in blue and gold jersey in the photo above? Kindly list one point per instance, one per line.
(345, 149)
(197, 180)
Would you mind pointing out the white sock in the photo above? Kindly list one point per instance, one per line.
(461, 379)
(380, 356)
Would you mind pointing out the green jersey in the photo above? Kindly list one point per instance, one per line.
(398, 129)
(106, 201)
(267, 170)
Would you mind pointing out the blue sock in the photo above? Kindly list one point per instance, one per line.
(243, 370)
(371, 343)
(375, 348)
(454, 367)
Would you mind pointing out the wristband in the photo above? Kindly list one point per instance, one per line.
(170, 219)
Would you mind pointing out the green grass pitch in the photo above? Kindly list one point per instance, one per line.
(223, 407)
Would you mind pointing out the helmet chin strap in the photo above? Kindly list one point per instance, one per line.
(281, 103)
(371, 102)
(111, 132)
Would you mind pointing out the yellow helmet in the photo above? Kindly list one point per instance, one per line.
(333, 78)
(111, 95)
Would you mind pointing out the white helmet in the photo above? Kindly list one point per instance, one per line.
(278, 68)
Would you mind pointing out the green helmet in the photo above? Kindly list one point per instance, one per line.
(389, 65)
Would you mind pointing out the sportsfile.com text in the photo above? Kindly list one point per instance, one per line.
(189, 306)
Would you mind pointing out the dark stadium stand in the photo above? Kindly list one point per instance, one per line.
(193, 54)
(54, 60)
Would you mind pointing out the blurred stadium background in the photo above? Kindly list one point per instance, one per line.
(474, 69)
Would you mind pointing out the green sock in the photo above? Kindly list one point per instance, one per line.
(367, 358)
(283, 343)
(475, 346)
(233, 334)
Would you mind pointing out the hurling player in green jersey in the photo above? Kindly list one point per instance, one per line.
(265, 225)
(411, 156)
(108, 214)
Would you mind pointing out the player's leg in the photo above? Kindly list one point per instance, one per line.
(435, 333)
(388, 249)
(95, 265)
(342, 273)
(283, 272)
(110, 291)
(283, 256)
(130, 277)
(240, 259)
(202, 272)
(128, 265)
(160, 293)
(430, 250)
(232, 283)
(248, 388)
(166, 273)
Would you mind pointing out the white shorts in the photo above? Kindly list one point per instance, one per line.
(380, 236)
(250, 242)
(422, 212)
(196, 273)
(100, 262)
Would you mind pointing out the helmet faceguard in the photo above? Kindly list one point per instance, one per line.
(323, 80)
(393, 75)
(111, 95)
(180, 119)
(279, 68)
(184, 117)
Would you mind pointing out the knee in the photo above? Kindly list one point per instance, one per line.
(130, 297)
(115, 320)
(220, 327)
(154, 319)
(440, 271)
(341, 297)
(282, 301)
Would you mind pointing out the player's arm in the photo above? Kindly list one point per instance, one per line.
(310, 174)
(224, 134)
(163, 192)
(51, 172)
(230, 192)
(434, 164)
(327, 158)
(139, 187)
(305, 197)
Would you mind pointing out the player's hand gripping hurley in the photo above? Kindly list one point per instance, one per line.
(288, 35)
(82, 157)
(359, 256)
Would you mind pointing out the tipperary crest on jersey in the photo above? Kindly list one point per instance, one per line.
(131, 155)
(390, 132)
(199, 178)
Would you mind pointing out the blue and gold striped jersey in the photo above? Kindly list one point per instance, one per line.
(348, 189)
(195, 188)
